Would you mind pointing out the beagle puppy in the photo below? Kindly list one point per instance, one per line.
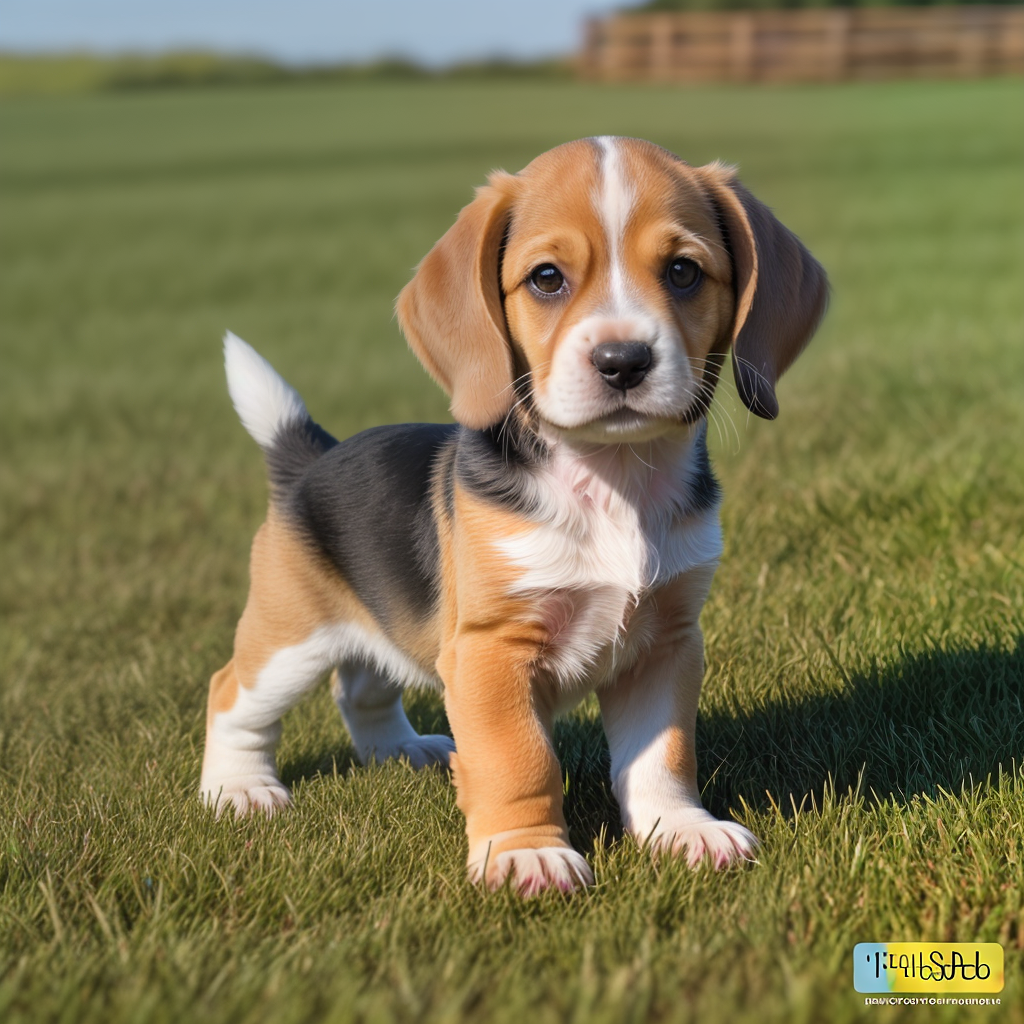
(559, 539)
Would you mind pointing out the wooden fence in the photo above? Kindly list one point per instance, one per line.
(809, 45)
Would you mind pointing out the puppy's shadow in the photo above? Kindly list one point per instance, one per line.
(309, 765)
(930, 721)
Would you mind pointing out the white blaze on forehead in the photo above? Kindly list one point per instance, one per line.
(614, 204)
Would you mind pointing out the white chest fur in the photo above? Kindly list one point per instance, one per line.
(610, 532)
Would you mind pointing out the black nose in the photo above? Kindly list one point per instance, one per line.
(623, 364)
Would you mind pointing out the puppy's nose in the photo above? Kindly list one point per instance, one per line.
(623, 364)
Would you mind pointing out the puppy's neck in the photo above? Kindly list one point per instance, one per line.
(650, 477)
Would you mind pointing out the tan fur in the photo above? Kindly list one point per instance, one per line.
(555, 222)
(505, 770)
(459, 333)
(291, 594)
(223, 690)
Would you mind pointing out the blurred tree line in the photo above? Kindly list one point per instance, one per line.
(55, 74)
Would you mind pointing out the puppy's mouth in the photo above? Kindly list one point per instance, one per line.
(621, 426)
(623, 419)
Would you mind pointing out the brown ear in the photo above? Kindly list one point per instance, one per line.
(781, 291)
(451, 311)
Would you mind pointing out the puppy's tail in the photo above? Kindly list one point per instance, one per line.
(273, 413)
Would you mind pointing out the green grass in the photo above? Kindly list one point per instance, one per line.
(863, 705)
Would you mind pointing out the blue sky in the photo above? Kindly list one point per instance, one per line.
(431, 31)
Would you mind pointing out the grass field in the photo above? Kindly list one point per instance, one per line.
(862, 711)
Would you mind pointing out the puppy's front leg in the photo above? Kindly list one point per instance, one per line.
(506, 774)
(650, 718)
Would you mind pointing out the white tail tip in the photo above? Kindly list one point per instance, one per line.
(265, 403)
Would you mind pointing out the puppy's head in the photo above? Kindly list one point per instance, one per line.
(608, 279)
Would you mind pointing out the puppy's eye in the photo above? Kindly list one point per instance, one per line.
(547, 278)
(683, 276)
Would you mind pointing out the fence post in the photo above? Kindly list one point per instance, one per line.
(662, 48)
(741, 47)
(971, 48)
(835, 63)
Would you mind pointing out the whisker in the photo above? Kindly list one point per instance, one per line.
(522, 377)
(753, 369)
(504, 436)
(647, 464)
(718, 426)
(715, 411)
(727, 416)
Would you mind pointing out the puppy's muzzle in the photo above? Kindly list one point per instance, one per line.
(622, 364)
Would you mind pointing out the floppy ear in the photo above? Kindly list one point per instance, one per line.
(781, 291)
(451, 311)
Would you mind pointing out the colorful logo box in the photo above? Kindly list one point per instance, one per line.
(928, 967)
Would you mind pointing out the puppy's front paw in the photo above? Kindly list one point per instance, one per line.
(699, 834)
(246, 794)
(533, 871)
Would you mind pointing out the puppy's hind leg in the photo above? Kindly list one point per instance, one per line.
(287, 639)
(244, 724)
(371, 707)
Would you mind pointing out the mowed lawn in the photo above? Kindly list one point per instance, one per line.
(862, 711)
